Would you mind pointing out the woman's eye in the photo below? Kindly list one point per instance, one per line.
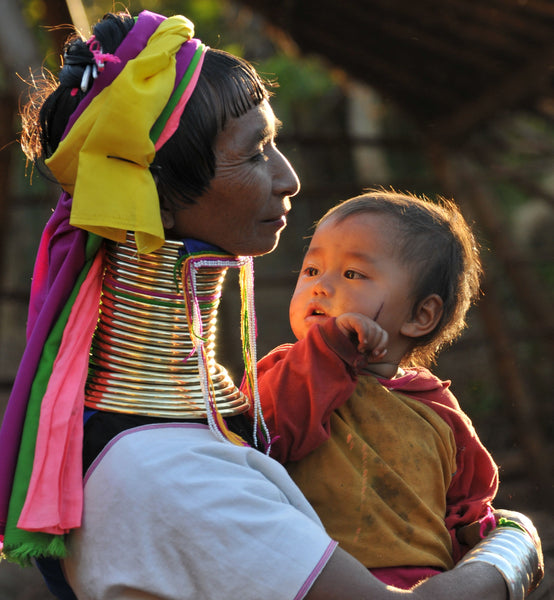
(260, 157)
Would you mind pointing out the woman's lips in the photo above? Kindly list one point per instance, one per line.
(277, 222)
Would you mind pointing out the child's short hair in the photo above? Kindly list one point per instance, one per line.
(434, 238)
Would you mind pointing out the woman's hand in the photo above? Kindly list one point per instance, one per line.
(470, 535)
(527, 524)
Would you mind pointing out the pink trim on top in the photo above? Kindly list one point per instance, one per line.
(114, 440)
(317, 570)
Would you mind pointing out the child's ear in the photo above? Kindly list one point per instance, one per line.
(427, 314)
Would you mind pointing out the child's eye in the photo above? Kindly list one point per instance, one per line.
(350, 274)
(310, 271)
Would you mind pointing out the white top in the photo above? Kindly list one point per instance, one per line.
(176, 514)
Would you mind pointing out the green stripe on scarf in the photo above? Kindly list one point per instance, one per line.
(21, 546)
(158, 126)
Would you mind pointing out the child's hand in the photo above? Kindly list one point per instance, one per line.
(469, 535)
(370, 338)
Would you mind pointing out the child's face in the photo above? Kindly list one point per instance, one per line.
(351, 267)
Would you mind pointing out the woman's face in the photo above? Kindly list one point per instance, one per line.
(244, 210)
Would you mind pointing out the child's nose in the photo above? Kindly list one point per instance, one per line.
(323, 286)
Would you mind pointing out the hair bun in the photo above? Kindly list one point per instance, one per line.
(76, 58)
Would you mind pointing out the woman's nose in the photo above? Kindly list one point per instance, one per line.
(285, 179)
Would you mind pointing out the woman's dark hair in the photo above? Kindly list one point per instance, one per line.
(51, 103)
(227, 87)
(434, 239)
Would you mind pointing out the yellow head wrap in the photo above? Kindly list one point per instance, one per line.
(103, 162)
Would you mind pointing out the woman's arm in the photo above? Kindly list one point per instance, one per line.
(507, 563)
(345, 578)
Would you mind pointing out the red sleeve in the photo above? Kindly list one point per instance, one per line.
(300, 386)
(475, 482)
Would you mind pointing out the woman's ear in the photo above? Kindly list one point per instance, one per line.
(425, 318)
(168, 220)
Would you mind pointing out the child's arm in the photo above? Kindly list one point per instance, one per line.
(475, 479)
(471, 491)
(475, 482)
(301, 384)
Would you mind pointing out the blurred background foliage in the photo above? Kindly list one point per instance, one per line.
(342, 137)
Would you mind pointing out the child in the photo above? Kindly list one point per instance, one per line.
(379, 445)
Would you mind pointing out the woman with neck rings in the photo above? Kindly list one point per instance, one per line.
(150, 132)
